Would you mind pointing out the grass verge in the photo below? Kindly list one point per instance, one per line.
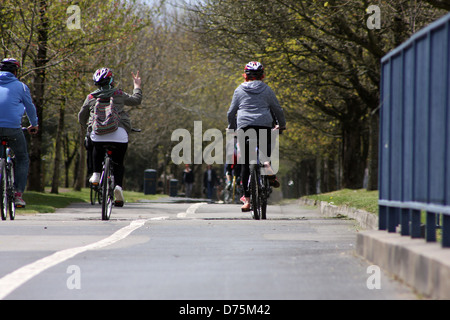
(38, 202)
(360, 199)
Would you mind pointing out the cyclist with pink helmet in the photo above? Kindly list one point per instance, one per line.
(255, 107)
(103, 78)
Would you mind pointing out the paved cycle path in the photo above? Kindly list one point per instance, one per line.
(186, 251)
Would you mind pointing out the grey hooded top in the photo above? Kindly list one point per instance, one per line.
(253, 104)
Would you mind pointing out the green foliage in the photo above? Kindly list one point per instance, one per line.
(321, 60)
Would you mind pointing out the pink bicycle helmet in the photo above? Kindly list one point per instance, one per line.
(103, 76)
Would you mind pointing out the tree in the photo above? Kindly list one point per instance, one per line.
(325, 62)
(39, 33)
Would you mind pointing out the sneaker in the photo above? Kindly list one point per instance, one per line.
(118, 196)
(95, 178)
(20, 203)
(246, 207)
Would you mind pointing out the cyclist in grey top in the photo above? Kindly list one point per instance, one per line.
(255, 106)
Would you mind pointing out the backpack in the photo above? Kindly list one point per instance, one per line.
(106, 118)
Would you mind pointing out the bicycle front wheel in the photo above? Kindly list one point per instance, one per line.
(255, 193)
(107, 199)
(4, 190)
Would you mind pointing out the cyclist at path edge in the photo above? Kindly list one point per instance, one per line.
(255, 106)
(104, 80)
(15, 99)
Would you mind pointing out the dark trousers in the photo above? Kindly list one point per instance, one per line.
(118, 155)
(250, 154)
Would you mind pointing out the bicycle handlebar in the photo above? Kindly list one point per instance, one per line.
(30, 129)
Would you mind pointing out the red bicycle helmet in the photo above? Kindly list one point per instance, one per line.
(9, 64)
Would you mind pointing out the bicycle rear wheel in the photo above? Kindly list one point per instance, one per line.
(107, 199)
(255, 193)
(11, 192)
(264, 197)
(4, 190)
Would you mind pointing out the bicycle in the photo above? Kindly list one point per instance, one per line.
(7, 181)
(106, 184)
(95, 194)
(260, 188)
(260, 191)
(232, 194)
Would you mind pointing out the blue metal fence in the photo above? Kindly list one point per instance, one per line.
(414, 173)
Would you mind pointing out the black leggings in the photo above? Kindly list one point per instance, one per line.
(249, 154)
(118, 156)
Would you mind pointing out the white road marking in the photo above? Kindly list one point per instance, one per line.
(159, 218)
(191, 210)
(15, 279)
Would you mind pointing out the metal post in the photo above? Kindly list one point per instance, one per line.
(405, 218)
(392, 219)
(382, 217)
(415, 224)
(431, 227)
(446, 231)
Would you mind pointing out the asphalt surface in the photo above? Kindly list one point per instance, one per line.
(189, 251)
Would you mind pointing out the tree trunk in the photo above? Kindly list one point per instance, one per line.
(59, 137)
(36, 177)
(353, 162)
(373, 152)
(80, 176)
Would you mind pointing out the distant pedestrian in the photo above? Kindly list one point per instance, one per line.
(188, 180)
(209, 181)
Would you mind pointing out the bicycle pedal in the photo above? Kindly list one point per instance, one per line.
(118, 203)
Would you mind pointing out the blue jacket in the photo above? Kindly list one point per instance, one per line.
(15, 98)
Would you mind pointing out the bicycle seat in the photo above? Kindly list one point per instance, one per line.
(108, 146)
